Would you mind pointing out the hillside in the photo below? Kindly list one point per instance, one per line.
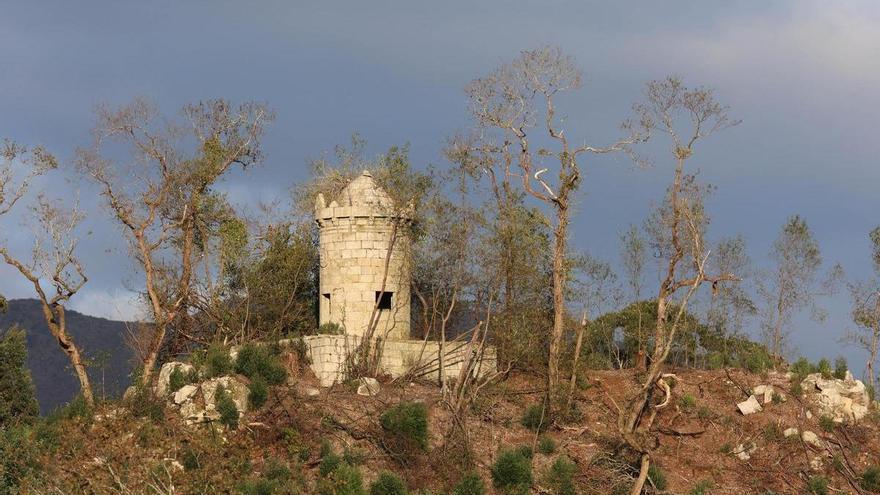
(297, 442)
(101, 340)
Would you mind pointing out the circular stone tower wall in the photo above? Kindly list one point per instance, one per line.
(355, 235)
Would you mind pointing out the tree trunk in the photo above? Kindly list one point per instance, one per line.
(57, 323)
(643, 475)
(559, 284)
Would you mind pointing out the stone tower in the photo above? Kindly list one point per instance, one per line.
(355, 233)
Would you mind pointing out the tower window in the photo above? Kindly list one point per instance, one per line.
(384, 299)
(327, 301)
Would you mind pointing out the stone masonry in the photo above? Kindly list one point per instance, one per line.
(355, 232)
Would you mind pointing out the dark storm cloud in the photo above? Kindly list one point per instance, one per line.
(801, 75)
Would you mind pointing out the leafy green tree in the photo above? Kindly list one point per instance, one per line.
(793, 284)
(510, 104)
(18, 404)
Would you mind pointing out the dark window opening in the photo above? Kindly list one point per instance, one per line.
(327, 298)
(384, 299)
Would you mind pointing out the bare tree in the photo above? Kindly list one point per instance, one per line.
(677, 231)
(508, 105)
(866, 312)
(53, 259)
(633, 256)
(794, 282)
(159, 192)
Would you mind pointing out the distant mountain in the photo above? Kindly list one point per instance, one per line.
(53, 377)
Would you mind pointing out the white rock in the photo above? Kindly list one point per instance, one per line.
(744, 452)
(185, 393)
(841, 400)
(764, 390)
(809, 414)
(237, 390)
(790, 432)
(165, 376)
(812, 439)
(368, 386)
(749, 406)
(312, 392)
(816, 463)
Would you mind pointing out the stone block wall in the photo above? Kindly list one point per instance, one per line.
(328, 352)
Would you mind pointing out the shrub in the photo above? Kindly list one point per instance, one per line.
(388, 484)
(535, 418)
(546, 445)
(870, 479)
(802, 367)
(657, 477)
(512, 473)
(331, 328)
(18, 404)
(406, 428)
(560, 477)
(255, 361)
(19, 457)
(796, 390)
(344, 479)
(702, 488)
(687, 402)
(176, 380)
(772, 432)
(824, 367)
(354, 457)
(470, 484)
(525, 451)
(190, 459)
(817, 485)
(840, 368)
(258, 392)
(143, 404)
(826, 423)
(226, 407)
(218, 362)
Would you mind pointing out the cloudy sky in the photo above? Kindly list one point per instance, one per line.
(802, 76)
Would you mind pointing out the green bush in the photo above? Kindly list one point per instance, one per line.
(226, 407)
(687, 402)
(470, 484)
(512, 473)
(190, 459)
(535, 418)
(702, 488)
(256, 361)
(546, 445)
(178, 378)
(802, 367)
(19, 457)
(18, 404)
(525, 451)
(560, 477)
(218, 362)
(329, 459)
(824, 367)
(388, 484)
(657, 477)
(826, 423)
(406, 429)
(143, 404)
(353, 456)
(870, 479)
(840, 368)
(796, 390)
(258, 392)
(817, 485)
(344, 479)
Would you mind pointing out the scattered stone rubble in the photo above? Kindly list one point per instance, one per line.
(196, 401)
(844, 400)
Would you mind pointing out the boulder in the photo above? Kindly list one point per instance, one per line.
(749, 406)
(844, 400)
(186, 393)
(165, 376)
(236, 389)
(368, 386)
